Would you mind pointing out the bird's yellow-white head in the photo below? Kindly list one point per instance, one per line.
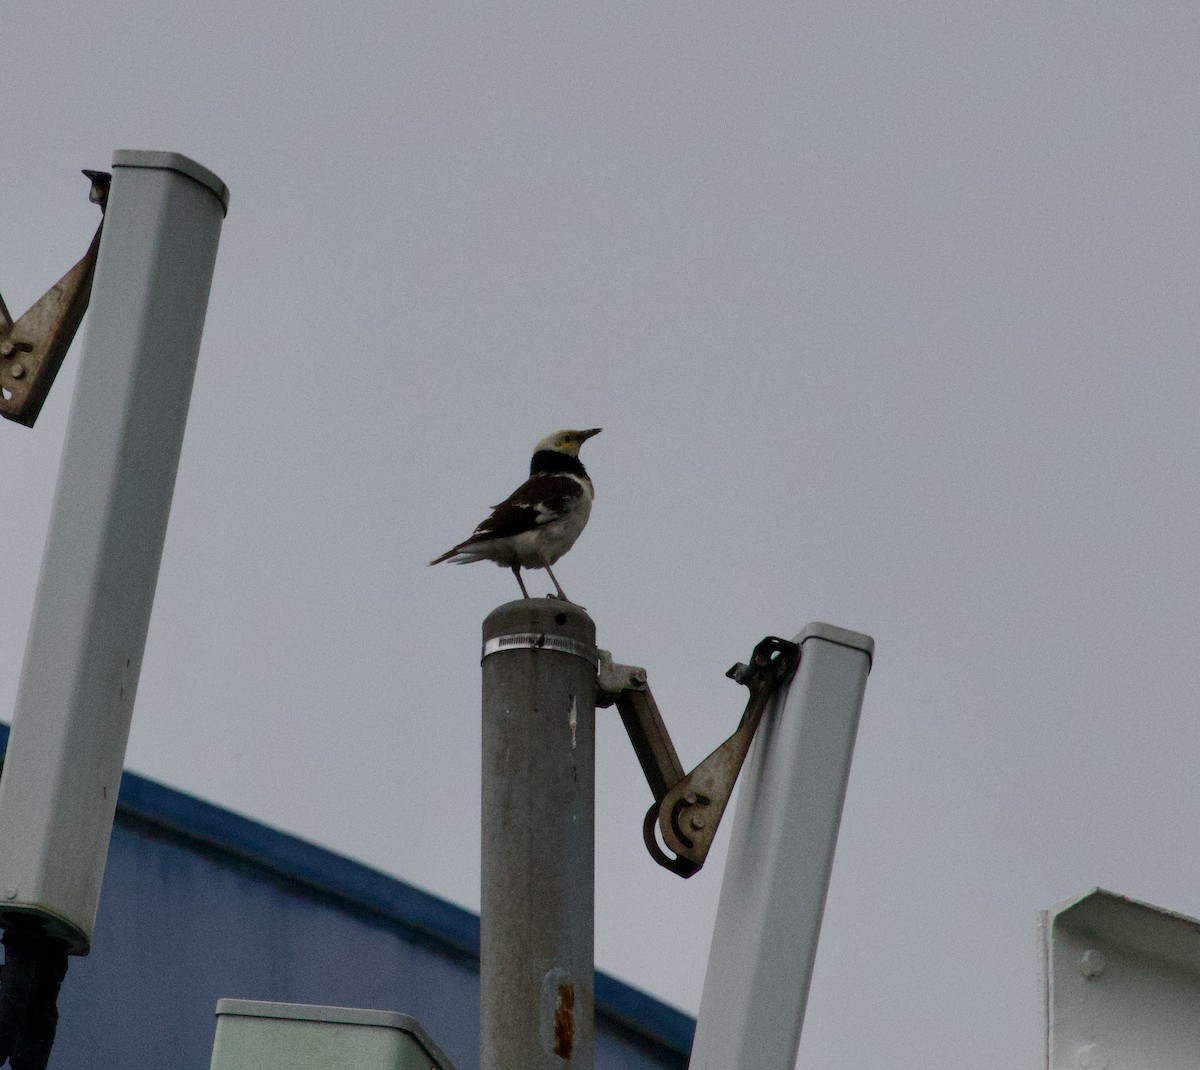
(567, 442)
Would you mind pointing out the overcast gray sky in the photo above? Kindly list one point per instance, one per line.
(889, 314)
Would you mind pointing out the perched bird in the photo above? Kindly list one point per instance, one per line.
(542, 518)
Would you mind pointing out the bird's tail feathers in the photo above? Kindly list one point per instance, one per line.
(460, 555)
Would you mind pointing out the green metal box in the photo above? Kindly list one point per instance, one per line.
(253, 1035)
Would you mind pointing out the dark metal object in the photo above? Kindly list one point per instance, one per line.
(33, 348)
(34, 967)
(688, 807)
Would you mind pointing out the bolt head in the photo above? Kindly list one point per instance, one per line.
(697, 823)
(7, 349)
(10, 892)
(17, 371)
(1092, 963)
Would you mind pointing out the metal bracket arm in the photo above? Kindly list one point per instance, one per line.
(688, 807)
(33, 348)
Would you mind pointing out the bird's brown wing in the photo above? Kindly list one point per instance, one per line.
(535, 502)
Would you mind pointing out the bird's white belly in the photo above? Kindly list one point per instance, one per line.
(544, 546)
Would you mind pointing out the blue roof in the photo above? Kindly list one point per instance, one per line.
(363, 890)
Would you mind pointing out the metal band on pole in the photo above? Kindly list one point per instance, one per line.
(541, 641)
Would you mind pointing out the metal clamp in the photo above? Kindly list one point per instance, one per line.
(33, 348)
(540, 641)
(688, 807)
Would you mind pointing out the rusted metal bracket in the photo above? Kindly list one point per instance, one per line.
(688, 807)
(33, 348)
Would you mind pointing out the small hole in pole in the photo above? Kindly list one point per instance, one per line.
(560, 618)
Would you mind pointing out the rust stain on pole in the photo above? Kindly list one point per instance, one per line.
(564, 1022)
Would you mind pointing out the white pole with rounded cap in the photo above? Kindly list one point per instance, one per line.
(58, 792)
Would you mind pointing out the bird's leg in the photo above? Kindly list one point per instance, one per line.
(557, 586)
(516, 571)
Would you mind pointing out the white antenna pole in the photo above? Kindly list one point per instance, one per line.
(58, 792)
(780, 857)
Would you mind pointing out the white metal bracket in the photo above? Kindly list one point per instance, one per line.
(1121, 982)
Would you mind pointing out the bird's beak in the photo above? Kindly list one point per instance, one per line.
(584, 435)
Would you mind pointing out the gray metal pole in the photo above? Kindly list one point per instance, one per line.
(538, 853)
(780, 857)
(58, 792)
